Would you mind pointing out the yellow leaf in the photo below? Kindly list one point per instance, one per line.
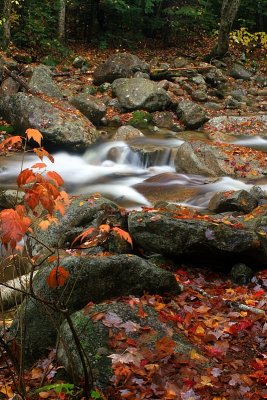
(206, 380)
(200, 331)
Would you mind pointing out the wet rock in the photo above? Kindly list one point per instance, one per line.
(93, 108)
(238, 71)
(239, 200)
(185, 233)
(191, 114)
(241, 274)
(62, 125)
(139, 93)
(121, 65)
(127, 132)
(41, 81)
(95, 338)
(90, 279)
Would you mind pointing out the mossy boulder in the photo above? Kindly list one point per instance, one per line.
(95, 334)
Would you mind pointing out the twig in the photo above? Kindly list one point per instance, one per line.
(232, 304)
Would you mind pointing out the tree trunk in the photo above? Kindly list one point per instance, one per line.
(61, 20)
(6, 23)
(228, 13)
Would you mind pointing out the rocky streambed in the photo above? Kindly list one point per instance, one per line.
(203, 192)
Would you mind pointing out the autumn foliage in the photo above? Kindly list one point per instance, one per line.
(41, 192)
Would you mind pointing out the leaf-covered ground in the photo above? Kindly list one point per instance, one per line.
(226, 323)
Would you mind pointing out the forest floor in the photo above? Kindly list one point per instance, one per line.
(227, 322)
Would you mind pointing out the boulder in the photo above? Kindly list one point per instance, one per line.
(239, 200)
(121, 65)
(191, 114)
(185, 233)
(238, 71)
(140, 94)
(62, 125)
(220, 160)
(95, 334)
(93, 108)
(41, 82)
(90, 279)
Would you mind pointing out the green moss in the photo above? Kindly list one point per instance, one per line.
(140, 119)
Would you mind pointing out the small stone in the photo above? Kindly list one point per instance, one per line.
(241, 274)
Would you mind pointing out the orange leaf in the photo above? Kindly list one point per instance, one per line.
(55, 177)
(26, 176)
(35, 135)
(104, 228)
(31, 198)
(41, 153)
(123, 234)
(39, 165)
(165, 346)
(10, 141)
(14, 225)
(83, 235)
(57, 277)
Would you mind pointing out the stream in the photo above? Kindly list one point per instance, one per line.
(131, 177)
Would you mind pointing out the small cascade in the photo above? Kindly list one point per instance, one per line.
(128, 173)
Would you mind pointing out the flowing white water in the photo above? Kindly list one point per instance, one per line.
(112, 169)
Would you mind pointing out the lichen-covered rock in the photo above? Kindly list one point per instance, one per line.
(62, 125)
(239, 200)
(191, 114)
(121, 65)
(140, 94)
(94, 336)
(93, 108)
(90, 279)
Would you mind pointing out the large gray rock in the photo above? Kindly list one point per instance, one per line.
(191, 114)
(214, 160)
(94, 336)
(238, 71)
(140, 94)
(41, 82)
(93, 108)
(176, 233)
(90, 279)
(121, 65)
(62, 125)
